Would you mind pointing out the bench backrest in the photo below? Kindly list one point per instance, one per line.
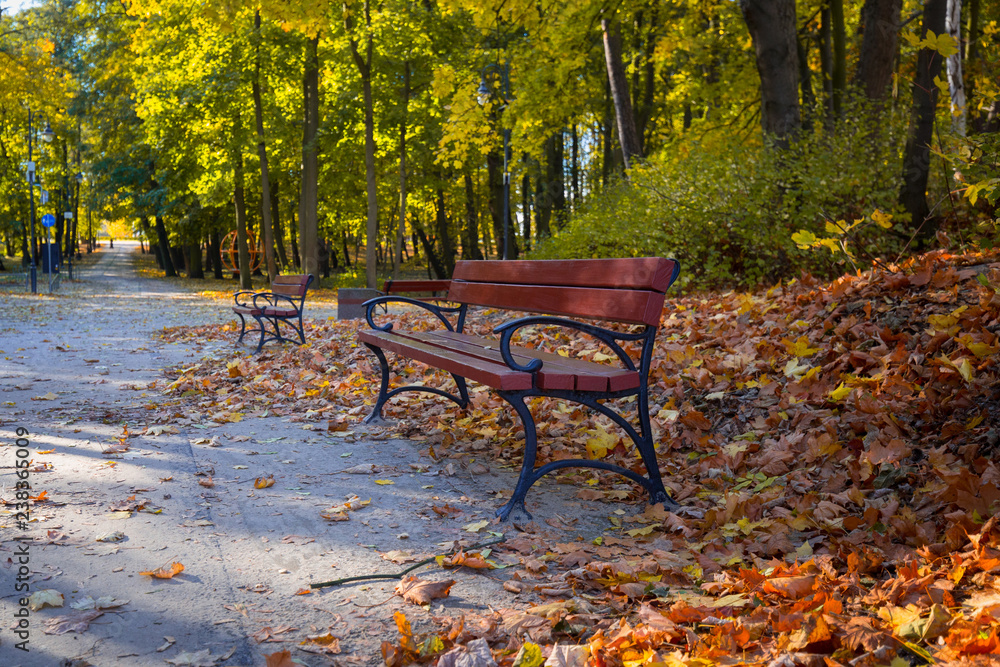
(293, 287)
(621, 290)
(418, 286)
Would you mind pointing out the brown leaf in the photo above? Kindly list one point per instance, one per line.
(77, 621)
(474, 654)
(791, 587)
(280, 659)
(421, 591)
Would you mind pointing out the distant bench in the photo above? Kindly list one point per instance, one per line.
(628, 291)
(283, 304)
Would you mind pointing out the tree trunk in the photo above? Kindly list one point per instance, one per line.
(917, 154)
(471, 245)
(309, 196)
(265, 183)
(364, 65)
(401, 226)
(279, 230)
(574, 170)
(839, 54)
(543, 208)
(526, 210)
(880, 26)
(619, 93)
(971, 61)
(494, 174)
(808, 96)
(772, 29)
(444, 234)
(164, 246)
(555, 178)
(293, 232)
(215, 250)
(195, 268)
(440, 272)
(241, 217)
(956, 82)
(826, 61)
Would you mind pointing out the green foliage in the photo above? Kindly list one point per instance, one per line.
(727, 210)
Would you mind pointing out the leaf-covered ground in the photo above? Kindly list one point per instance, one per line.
(833, 447)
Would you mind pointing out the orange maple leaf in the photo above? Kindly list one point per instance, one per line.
(165, 571)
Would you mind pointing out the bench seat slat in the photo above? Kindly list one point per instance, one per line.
(655, 273)
(485, 372)
(631, 306)
(556, 370)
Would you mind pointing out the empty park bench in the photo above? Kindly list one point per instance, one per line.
(282, 304)
(625, 291)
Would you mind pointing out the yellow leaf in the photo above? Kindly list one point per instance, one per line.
(384, 482)
(840, 392)
(476, 526)
(883, 220)
(799, 347)
(263, 482)
(530, 655)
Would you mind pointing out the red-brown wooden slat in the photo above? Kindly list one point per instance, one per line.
(481, 348)
(291, 280)
(403, 286)
(586, 375)
(478, 370)
(288, 290)
(617, 305)
(655, 273)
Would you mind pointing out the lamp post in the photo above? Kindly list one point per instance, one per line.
(46, 136)
(484, 94)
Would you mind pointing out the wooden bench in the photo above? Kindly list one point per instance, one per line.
(627, 291)
(283, 303)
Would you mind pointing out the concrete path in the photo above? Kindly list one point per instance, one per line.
(73, 372)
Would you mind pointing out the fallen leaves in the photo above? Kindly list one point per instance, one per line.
(77, 621)
(339, 512)
(165, 571)
(422, 591)
(45, 598)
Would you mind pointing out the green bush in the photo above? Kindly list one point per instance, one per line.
(727, 209)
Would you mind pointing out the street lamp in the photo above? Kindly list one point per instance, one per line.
(484, 93)
(46, 136)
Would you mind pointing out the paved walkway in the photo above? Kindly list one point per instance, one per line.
(73, 369)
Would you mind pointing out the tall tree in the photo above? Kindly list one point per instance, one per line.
(627, 134)
(772, 29)
(364, 65)
(880, 35)
(265, 183)
(956, 82)
(917, 153)
(309, 194)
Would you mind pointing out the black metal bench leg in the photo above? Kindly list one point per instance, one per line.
(260, 322)
(644, 443)
(383, 390)
(301, 330)
(243, 328)
(514, 509)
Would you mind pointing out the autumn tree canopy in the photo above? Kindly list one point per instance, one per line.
(329, 134)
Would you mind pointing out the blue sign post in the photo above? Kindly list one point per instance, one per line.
(49, 221)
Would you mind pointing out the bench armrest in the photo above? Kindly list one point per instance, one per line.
(438, 311)
(272, 299)
(245, 303)
(606, 336)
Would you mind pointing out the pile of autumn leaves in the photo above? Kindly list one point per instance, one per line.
(832, 446)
